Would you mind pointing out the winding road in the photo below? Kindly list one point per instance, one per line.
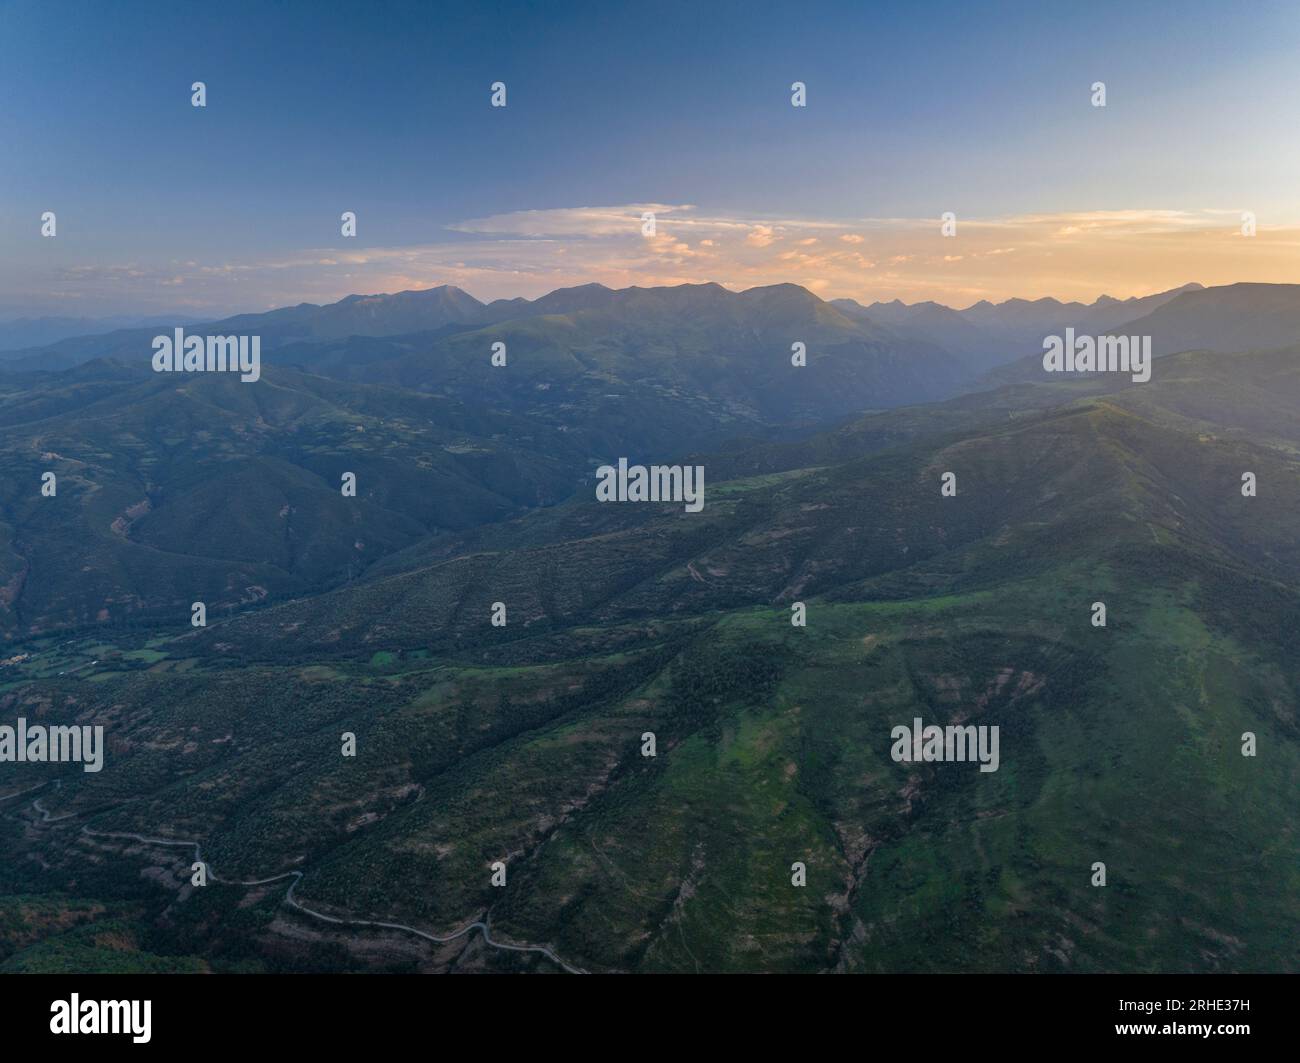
(296, 904)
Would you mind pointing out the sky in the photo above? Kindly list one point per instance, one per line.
(614, 110)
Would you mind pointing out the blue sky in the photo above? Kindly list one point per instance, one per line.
(383, 109)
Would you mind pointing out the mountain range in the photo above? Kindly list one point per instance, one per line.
(523, 743)
(26, 332)
(145, 461)
(992, 333)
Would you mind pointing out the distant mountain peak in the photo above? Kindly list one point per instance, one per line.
(785, 291)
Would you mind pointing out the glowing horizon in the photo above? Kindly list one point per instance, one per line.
(235, 206)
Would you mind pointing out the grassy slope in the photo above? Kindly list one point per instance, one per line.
(1119, 744)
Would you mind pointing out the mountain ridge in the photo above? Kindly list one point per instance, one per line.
(426, 309)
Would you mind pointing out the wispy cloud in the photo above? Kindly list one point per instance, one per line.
(529, 252)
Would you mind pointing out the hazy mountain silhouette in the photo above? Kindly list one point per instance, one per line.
(373, 615)
(991, 334)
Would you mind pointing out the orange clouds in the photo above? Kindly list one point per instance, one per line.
(1071, 256)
